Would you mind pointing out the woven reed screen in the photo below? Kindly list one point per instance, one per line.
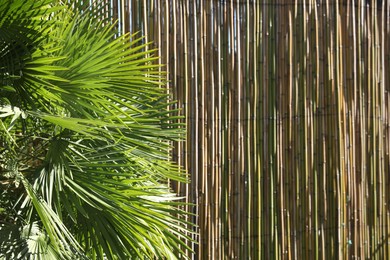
(287, 112)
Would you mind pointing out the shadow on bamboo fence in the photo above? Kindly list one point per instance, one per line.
(287, 112)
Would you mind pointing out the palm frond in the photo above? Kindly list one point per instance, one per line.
(86, 131)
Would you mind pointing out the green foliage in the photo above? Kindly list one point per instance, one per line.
(85, 138)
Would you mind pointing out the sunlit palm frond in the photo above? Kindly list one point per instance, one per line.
(86, 138)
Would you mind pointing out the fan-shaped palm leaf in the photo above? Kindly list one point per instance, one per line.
(85, 139)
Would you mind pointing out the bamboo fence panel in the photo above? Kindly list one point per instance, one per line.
(287, 111)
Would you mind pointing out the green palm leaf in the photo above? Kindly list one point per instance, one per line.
(85, 139)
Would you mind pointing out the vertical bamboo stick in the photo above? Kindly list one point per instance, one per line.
(255, 136)
(317, 154)
(239, 214)
(260, 130)
(289, 119)
(218, 117)
(248, 243)
(266, 144)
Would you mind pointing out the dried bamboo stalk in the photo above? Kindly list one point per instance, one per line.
(287, 114)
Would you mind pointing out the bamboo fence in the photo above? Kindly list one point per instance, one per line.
(287, 111)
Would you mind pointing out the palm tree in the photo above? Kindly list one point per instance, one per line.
(85, 139)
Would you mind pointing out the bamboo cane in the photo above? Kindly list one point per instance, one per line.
(286, 107)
